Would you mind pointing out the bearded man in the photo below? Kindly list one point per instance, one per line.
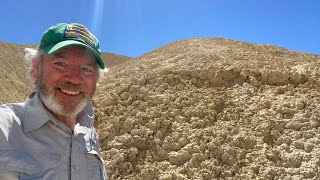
(51, 135)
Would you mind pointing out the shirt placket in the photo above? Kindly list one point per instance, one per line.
(74, 159)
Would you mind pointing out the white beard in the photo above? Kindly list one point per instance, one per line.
(53, 105)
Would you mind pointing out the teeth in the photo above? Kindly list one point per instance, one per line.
(70, 92)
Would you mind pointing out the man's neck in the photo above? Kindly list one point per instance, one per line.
(70, 122)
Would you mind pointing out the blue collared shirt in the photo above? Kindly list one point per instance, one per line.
(35, 145)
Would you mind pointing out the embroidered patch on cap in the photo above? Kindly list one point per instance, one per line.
(79, 31)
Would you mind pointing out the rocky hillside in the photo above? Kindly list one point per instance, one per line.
(212, 109)
(15, 84)
(202, 109)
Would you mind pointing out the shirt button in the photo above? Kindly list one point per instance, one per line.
(74, 167)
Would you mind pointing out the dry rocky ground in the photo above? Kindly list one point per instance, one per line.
(15, 85)
(209, 109)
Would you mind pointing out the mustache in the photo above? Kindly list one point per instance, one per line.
(69, 86)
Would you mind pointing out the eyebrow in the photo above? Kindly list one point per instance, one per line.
(92, 63)
(58, 55)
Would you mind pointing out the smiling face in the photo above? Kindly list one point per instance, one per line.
(66, 80)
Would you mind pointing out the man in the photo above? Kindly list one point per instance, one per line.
(51, 135)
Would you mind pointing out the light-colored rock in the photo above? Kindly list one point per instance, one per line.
(205, 109)
(213, 109)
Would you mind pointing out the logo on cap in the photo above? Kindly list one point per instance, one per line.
(79, 31)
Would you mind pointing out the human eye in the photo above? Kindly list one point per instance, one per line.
(88, 69)
(60, 64)
(58, 61)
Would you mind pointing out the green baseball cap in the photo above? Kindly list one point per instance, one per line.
(63, 35)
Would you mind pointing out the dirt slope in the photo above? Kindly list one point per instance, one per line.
(212, 109)
(15, 84)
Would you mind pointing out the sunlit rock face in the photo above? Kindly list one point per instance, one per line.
(200, 109)
(211, 109)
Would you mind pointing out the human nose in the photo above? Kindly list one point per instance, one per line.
(74, 76)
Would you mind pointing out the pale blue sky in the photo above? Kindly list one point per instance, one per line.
(135, 27)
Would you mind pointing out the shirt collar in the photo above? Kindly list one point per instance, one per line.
(36, 114)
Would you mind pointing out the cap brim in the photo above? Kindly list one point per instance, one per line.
(52, 49)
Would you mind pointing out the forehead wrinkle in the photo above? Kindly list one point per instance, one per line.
(78, 52)
(75, 51)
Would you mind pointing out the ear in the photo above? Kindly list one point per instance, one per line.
(35, 69)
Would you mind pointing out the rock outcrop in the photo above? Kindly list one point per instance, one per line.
(201, 109)
(211, 109)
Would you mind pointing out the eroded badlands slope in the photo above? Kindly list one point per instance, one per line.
(211, 109)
